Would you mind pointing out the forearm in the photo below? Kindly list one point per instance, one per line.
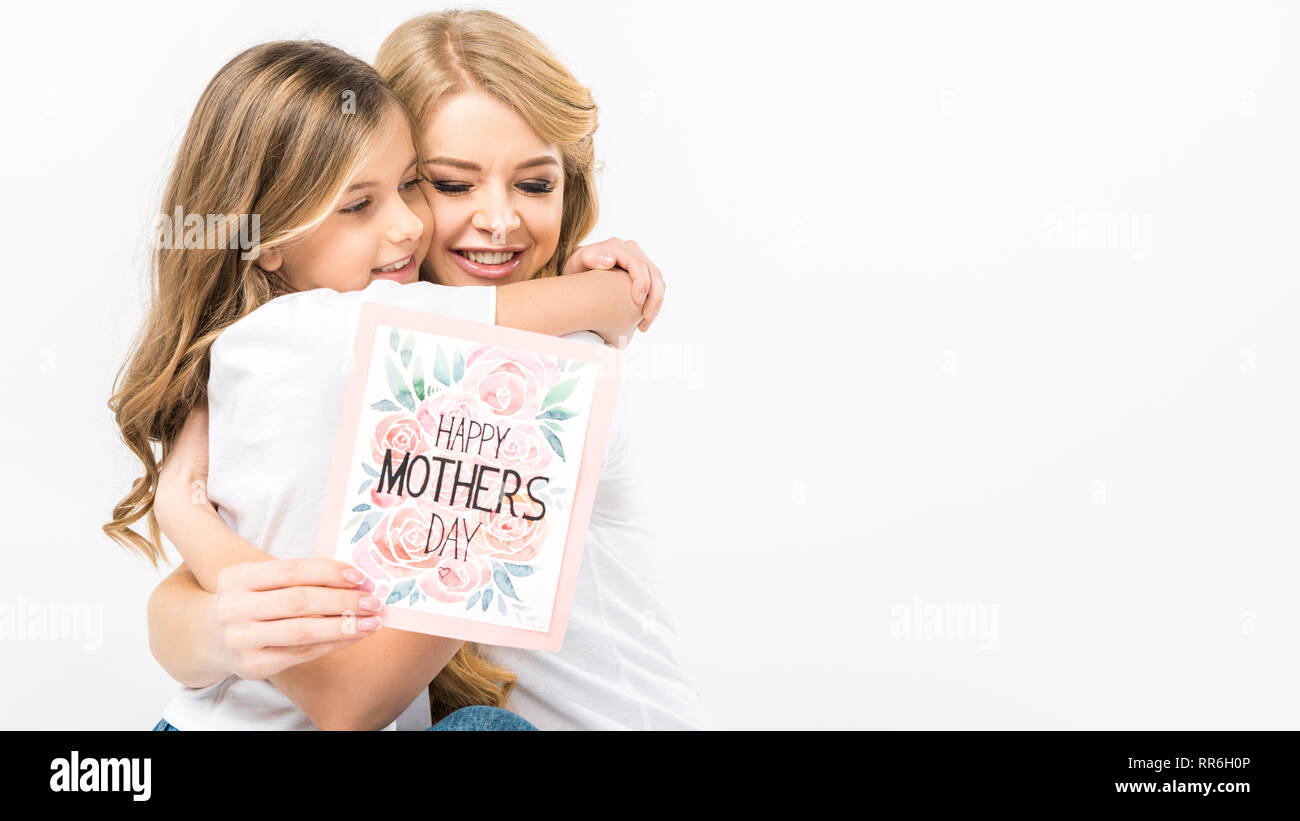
(364, 686)
(179, 634)
(201, 536)
(368, 685)
(599, 301)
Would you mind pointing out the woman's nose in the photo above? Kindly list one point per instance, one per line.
(496, 218)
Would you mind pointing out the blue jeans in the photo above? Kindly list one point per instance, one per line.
(478, 717)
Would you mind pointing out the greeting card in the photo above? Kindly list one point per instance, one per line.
(464, 472)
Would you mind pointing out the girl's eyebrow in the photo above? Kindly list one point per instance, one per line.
(469, 166)
(371, 183)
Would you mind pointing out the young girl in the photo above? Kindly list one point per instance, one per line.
(314, 145)
(506, 137)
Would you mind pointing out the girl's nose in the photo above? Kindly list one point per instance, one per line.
(406, 226)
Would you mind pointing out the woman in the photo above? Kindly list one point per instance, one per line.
(506, 138)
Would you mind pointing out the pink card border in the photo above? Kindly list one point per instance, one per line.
(593, 456)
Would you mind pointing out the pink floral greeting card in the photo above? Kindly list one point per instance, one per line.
(464, 472)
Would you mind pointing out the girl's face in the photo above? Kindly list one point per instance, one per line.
(496, 189)
(379, 228)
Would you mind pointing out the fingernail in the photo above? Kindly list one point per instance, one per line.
(606, 260)
(353, 576)
(640, 297)
(369, 624)
(370, 603)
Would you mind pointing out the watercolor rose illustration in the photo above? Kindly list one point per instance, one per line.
(401, 433)
(455, 577)
(511, 538)
(400, 539)
(508, 383)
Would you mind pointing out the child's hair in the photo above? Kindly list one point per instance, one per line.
(279, 133)
(275, 138)
(431, 57)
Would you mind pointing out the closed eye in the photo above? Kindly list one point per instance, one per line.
(447, 187)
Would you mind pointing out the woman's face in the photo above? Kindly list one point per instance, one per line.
(379, 229)
(496, 192)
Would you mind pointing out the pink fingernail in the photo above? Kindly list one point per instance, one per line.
(369, 624)
(354, 576)
(370, 603)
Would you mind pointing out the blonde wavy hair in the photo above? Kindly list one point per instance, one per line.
(429, 58)
(279, 132)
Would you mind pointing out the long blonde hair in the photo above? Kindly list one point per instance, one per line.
(279, 133)
(428, 58)
(269, 137)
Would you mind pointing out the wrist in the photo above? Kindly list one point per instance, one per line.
(219, 659)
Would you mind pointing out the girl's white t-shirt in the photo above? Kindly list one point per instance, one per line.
(275, 392)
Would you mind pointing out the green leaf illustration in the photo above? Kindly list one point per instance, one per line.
(440, 369)
(417, 377)
(554, 443)
(398, 386)
(502, 580)
(557, 413)
(559, 393)
(407, 347)
(458, 370)
(385, 405)
(392, 339)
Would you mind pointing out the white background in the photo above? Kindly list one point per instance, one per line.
(973, 305)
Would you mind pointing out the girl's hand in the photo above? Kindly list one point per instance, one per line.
(647, 281)
(268, 616)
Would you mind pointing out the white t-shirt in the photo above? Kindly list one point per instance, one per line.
(269, 461)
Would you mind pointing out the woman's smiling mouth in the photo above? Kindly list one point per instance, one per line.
(489, 263)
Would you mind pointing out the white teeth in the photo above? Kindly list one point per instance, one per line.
(388, 269)
(488, 257)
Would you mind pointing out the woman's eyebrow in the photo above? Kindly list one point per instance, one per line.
(371, 183)
(454, 163)
(469, 166)
(536, 161)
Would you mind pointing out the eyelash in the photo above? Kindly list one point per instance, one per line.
(359, 207)
(460, 188)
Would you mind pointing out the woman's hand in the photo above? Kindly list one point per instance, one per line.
(647, 281)
(268, 616)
